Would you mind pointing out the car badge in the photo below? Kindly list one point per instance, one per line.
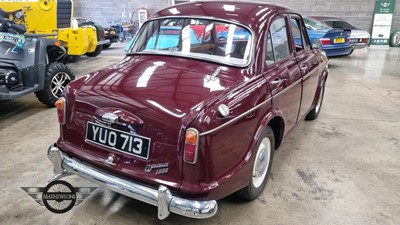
(109, 118)
(159, 168)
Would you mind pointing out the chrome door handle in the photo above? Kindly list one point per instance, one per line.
(276, 82)
(304, 69)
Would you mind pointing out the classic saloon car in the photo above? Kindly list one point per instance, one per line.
(180, 127)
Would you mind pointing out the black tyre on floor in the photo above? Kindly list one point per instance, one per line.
(314, 113)
(96, 52)
(56, 78)
(261, 167)
(105, 46)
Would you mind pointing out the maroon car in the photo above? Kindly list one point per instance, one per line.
(186, 119)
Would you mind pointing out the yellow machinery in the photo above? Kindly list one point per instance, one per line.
(53, 18)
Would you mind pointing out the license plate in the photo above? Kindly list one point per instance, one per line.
(338, 40)
(118, 140)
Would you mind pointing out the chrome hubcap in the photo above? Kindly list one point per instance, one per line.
(261, 163)
(59, 81)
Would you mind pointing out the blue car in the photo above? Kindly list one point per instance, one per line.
(239, 34)
(167, 37)
(335, 42)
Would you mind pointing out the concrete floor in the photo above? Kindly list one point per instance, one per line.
(343, 168)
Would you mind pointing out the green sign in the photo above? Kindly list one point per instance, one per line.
(383, 16)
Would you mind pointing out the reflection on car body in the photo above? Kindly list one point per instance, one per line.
(167, 37)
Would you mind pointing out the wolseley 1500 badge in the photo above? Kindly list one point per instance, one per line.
(160, 168)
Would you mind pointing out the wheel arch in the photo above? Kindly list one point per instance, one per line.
(278, 126)
(273, 119)
(321, 81)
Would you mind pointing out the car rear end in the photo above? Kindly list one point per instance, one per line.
(136, 128)
(111, 34)
(359, 39)
(114, 133)
(336, 42)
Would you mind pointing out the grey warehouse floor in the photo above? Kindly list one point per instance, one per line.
(343, 168)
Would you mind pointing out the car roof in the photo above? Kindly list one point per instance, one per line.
(252, 14)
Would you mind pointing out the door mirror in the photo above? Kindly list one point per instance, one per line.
(317, 44)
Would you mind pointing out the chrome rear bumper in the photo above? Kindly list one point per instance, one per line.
(162, 198)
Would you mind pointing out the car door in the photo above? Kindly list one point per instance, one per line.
(282, 71)
(307, 60)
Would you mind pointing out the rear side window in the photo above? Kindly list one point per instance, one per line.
(298, 34)
(277, 42)
(339, 24)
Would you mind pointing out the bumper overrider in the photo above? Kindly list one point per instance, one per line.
(162, 198)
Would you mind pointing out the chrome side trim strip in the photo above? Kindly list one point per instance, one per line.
(288, 88)
(236, 118)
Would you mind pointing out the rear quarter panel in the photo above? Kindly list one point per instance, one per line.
(224, 158)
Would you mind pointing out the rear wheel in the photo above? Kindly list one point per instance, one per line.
(56, 78)
(96, 52)
(314, 113)
(261, 167)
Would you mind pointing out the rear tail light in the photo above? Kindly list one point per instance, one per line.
(365, 40)
(191, 146)
(325, 41)
(348, 40)
(61, 108)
